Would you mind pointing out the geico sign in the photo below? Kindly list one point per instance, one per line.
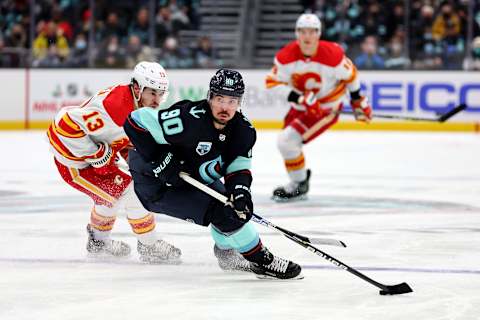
(431, 97)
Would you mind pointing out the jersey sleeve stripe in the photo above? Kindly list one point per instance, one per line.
(147, 118)
(59, 146)
(335, 94)
(68, 128)
(353, 76)
(240, 163)
(270, 82)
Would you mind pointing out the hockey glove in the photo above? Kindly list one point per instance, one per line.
(167, 169)
(103, 161)
(303, 102)
(240, 200)
(361, 109)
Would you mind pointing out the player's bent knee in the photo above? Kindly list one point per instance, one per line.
(224, 219)
(289, 143)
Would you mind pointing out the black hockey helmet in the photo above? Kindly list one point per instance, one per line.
(227, 82)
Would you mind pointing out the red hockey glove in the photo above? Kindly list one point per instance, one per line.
(361, 109)
(103, 161)
(308, 100)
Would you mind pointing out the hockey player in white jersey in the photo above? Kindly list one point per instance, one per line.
(90, 146)
(317, 75)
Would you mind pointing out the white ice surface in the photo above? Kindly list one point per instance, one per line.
(407, 205)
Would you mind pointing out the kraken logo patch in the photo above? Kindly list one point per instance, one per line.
(203, 148)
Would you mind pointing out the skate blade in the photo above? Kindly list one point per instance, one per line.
(106, 257)
(294, 199)
(236, 271)
(156, 260)
(267, 277)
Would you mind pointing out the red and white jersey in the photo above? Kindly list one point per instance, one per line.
(329, 73)
(77, 131)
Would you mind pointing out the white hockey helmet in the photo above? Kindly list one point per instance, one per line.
(308, 20)
(151, 75)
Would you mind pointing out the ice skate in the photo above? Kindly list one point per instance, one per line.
(276, 268)
(231, 260)
(159, 252)
(108, 247)
(292, 191)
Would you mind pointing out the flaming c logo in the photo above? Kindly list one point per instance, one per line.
(308, 81)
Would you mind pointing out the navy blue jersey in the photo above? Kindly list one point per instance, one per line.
(186, 130)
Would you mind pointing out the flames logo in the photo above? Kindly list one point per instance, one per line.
(308, 81)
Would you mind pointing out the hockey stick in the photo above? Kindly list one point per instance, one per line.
(386, 289)
(442, 118)
(260, 220)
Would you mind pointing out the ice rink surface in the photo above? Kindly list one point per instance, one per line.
(406, 204)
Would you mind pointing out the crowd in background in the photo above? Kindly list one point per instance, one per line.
(373, 33)
(430, 34)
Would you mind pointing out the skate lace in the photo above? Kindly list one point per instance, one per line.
(114, 246)
(278, 265)
(166, 248)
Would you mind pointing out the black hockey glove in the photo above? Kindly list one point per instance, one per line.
(240, 200)
(167, 170)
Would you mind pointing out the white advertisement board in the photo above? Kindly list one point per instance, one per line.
(424, 94)
(13, 94)
(407, 93)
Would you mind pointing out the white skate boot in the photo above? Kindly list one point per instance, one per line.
(231, 260)
(108, 247)
(159, 252)
(292, 191)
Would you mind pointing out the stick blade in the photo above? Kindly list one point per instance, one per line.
(452, 112)
(328, 242)
(396, 289)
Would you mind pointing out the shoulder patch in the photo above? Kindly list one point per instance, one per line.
(328, 53)
(119, 104)
(289, 53)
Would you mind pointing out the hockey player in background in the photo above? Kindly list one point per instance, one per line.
(208, 139)
(316, 75)
(88, 142)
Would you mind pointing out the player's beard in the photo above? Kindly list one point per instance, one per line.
(221, 121)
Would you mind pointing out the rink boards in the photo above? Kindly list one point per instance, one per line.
(31, 97)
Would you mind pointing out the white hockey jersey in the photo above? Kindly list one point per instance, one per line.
(329, 73)
(77, 131)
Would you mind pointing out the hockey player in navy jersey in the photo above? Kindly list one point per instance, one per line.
(208, 139)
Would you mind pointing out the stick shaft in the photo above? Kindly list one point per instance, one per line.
(442, 118)
(292, 236)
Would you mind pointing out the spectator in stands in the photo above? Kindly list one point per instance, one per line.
(140, 27)
(137, 52)
(473, 62)
(112, 27)
(7, 59)
(62, 24)
(79, 54)
(369, 58)
(50, 44)
(397, 58)
(395, 20)
(205, 55)
(430, 57)
(163, 24)
(421, 30)
(173, 56)
(111, 54)
(447, 24)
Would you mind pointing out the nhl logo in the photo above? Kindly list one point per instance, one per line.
(203, 148)
(221, 137)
